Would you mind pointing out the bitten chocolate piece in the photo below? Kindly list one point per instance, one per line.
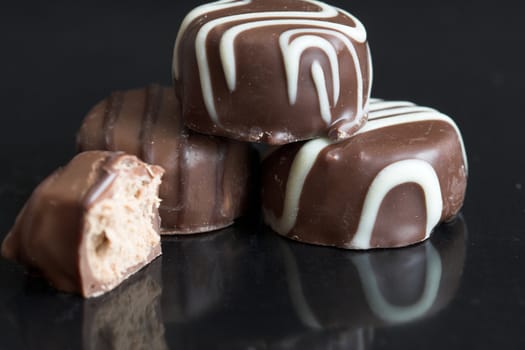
(207, 180)
(273, 71)
(387, 186)
(90, 224)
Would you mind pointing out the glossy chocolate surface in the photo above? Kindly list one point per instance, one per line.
(207, 180)
(387, 186)
(49, 236)
(273, 71)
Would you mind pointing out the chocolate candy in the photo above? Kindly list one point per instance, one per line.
(273, 71)
(207, 179)
(91, 224)
(387, 186)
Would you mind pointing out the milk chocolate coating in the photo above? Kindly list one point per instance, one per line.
(387, 186)
(207, 180)
(273, 71)
(53, 234)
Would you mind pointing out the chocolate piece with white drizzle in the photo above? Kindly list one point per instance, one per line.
(207, 180)
(387, 186)
(90, 224)
(273, 71)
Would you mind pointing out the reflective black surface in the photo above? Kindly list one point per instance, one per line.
(245, 288)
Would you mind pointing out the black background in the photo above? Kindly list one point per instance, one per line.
(464, 58)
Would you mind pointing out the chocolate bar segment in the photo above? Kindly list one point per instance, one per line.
(207, 179)
(387, 186)
(90, 224)
(273, 71)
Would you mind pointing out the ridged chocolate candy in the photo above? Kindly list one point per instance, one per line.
(273, 71)
(91, 224)
(387, 186)
(207, 178)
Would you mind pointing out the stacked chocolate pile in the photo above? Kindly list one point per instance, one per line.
(345, 170)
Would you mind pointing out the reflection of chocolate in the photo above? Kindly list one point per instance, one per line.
(202, 269)
(215, 299)
(272, 70)
(91, 224)
(129, 317)
(294, 295)
(206, 183)
(375, 288)
(387, 186)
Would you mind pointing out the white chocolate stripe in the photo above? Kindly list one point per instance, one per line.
(283, 18)
(376, 105)
(194, 14)
(390, 112)
(405, 171)
(292, 58)
(393, 313)
(320, 85)
(292, 52)
(370, 73)
(301, 166)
